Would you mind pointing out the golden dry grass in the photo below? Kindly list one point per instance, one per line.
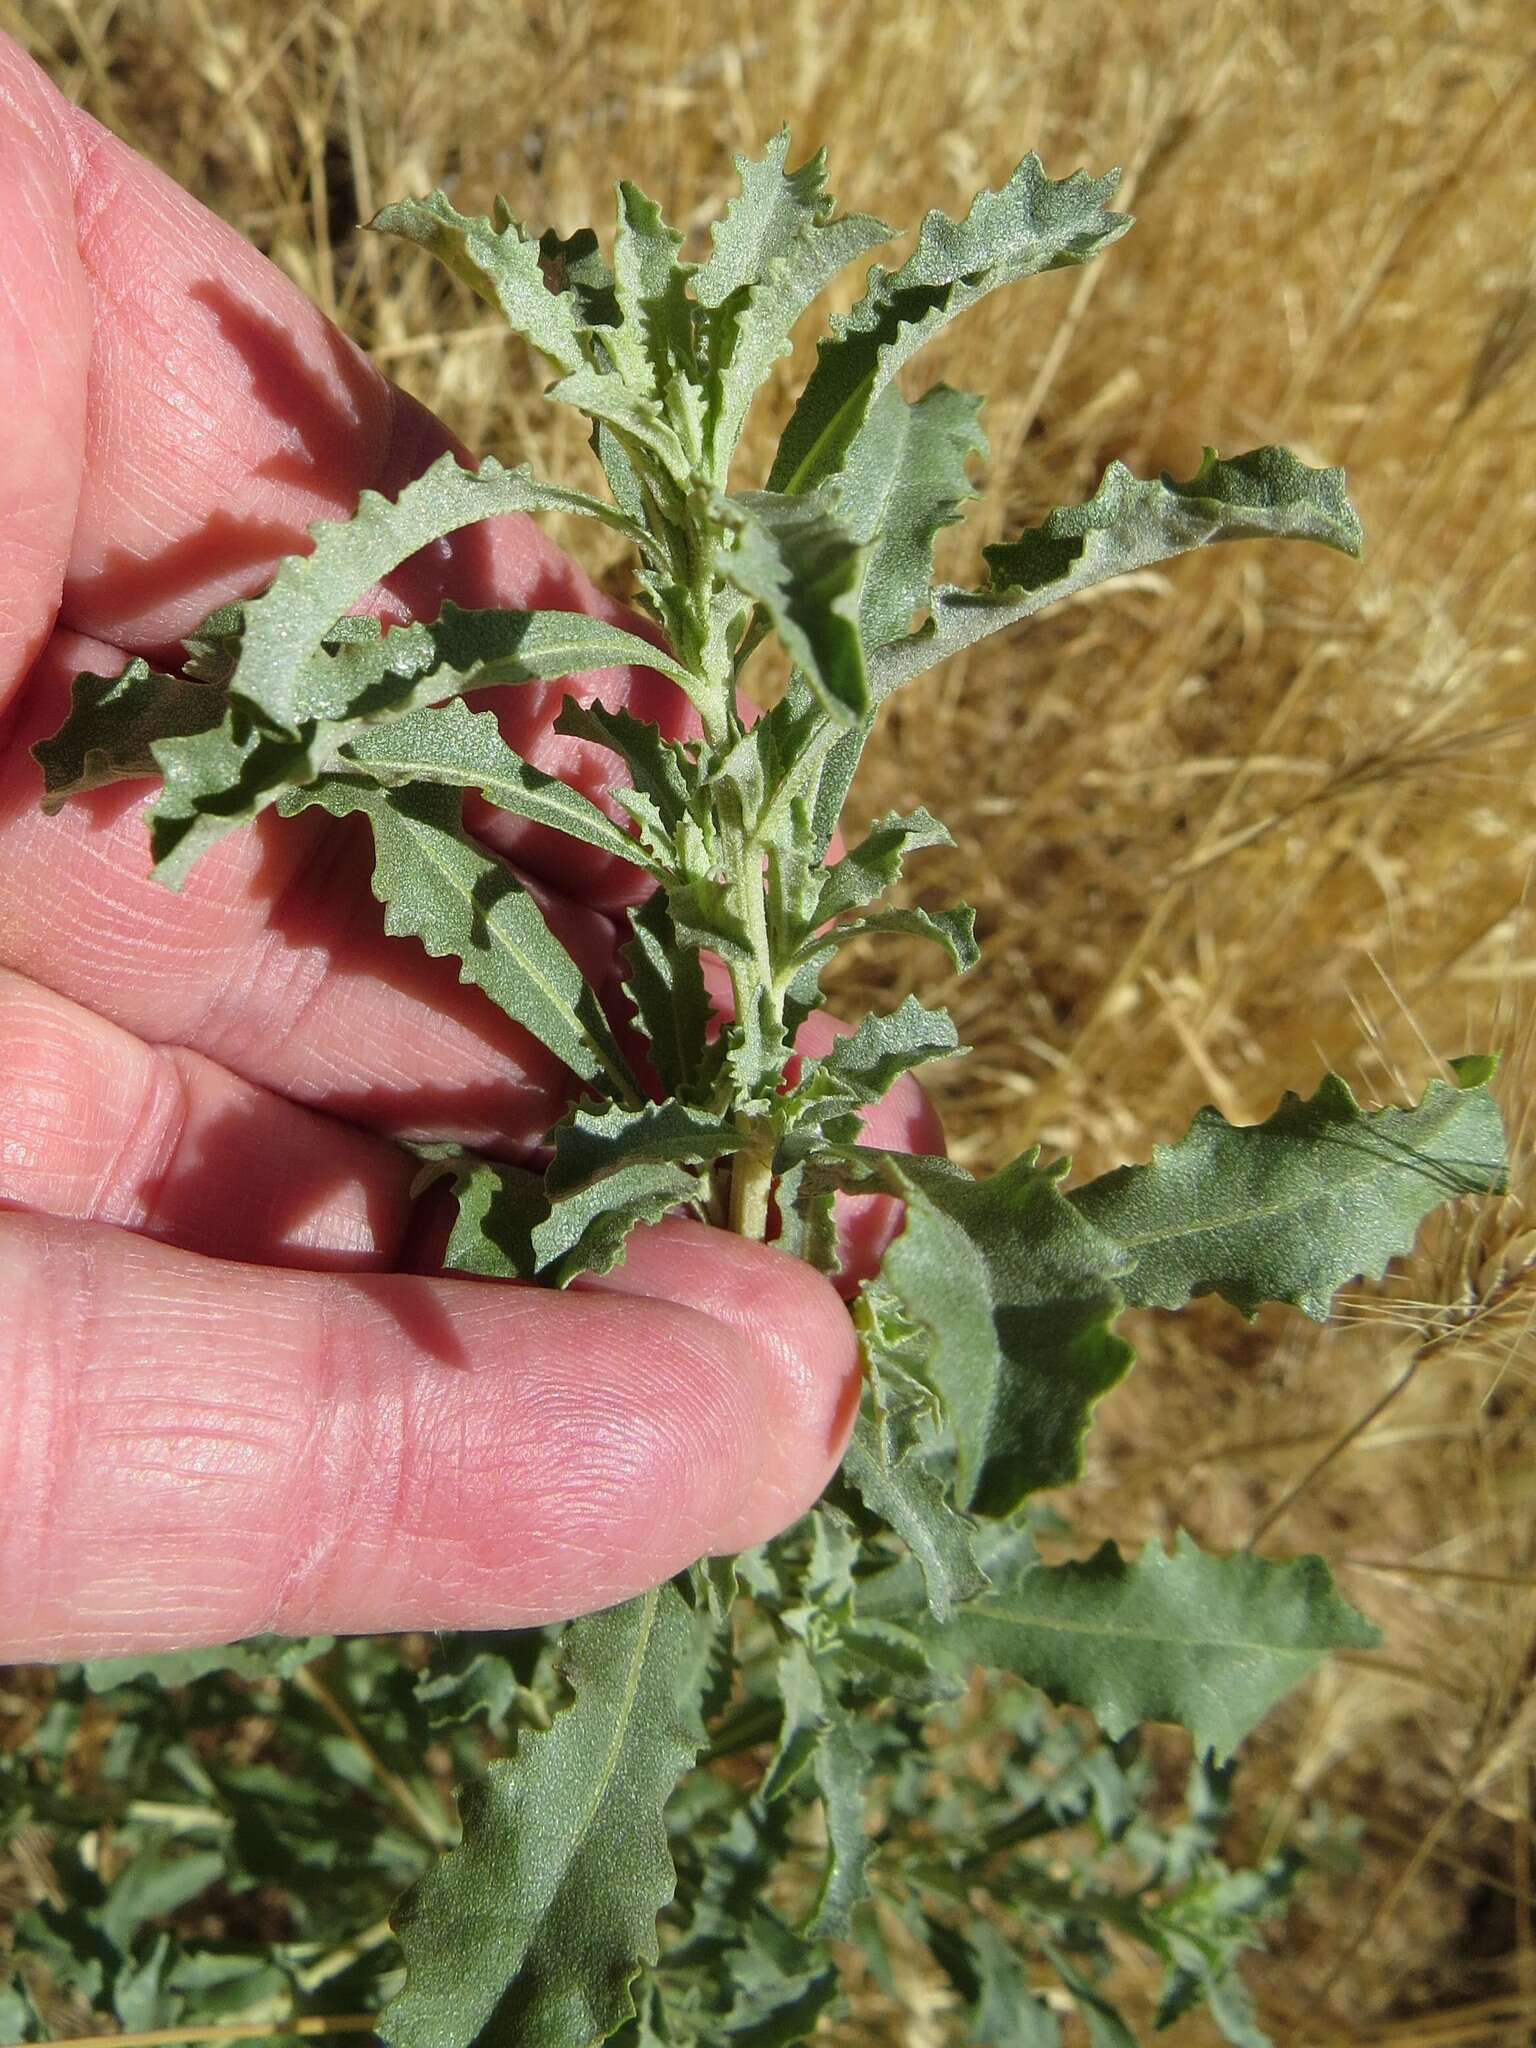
(1225, 825)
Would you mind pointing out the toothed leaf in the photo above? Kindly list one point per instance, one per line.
(775, 251)
(464, 750)
(112, 725)
(500, 262)
(1034, 223)
(1127, 524)
(1210, 1642)
(1320, 1193)
(801, 564)
(1015, 1293)
(437, 886)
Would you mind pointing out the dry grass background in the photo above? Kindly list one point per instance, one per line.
(1267, 811)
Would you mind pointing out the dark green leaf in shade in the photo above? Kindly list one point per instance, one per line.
(112, 724)
(803, 566)
(531, 1933)
(1320, 1193)
(1210, 1642)
(256, 1657)
(1033, 224)
(1002, 2010)
(665, 982)
(1017, 1294)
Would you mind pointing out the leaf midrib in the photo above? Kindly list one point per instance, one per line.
(997, 1610)
(428, 837)
(1347, 1181)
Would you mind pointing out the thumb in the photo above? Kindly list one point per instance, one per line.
(196, 1451)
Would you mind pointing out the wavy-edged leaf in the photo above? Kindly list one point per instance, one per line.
(286, 625)
(1210, 1642)
(256, 1657)
(775, 251)
(993, 1982)
(903, 480)
(436, 885)
(954, 930)
(464, 749)
(1033, 224)
(871, 1059)
(531, 1933)
(501, 263)
(112, 725)
(1321, 1193)
(874, 865)
(1016, 1294)
(632, 415)
(591, 1144)
(1129, 523)
(802, 565)
(653, 342)
(658, 767)
(587, 1230)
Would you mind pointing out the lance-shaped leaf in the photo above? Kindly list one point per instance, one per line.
(806, 570)
(1210, 1642)
(501, 262)
(868, 1062)
(954, 930)
(874, 865)
(993, 1984)
(436, 885)
(589, 1145)
(531, 1933)
(905, 479)
(1033, 224)
(464, 750)
(658, 767)
(1127, 524)
(114, 721)
(1016, 1294)
(776, 250)
(665, 982)
(1320, 1193)
(286, 625)
(653, 341)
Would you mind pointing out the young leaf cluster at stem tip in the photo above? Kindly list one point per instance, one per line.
(614, 1877)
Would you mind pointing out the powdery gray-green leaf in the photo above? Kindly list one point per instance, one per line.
(1210, 1642)
(501, 263)
(1321, 1193)
(530, 1934)
(775, 250)
(287, 624)
(874, 865)
(903, 480)
(1127, 524)
(462, 749)
(1034, 223)
(437, 886)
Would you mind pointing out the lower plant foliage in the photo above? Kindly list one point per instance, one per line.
(688, 1819)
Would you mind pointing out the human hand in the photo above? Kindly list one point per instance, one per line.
(228, 1403)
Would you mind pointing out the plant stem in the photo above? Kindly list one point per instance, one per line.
(752, 1182)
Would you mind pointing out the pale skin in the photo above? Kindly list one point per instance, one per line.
(233, 1396)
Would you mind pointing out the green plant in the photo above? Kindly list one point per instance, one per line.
(837, 1657)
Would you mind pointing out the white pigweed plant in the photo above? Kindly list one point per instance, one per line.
(692, 1797)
